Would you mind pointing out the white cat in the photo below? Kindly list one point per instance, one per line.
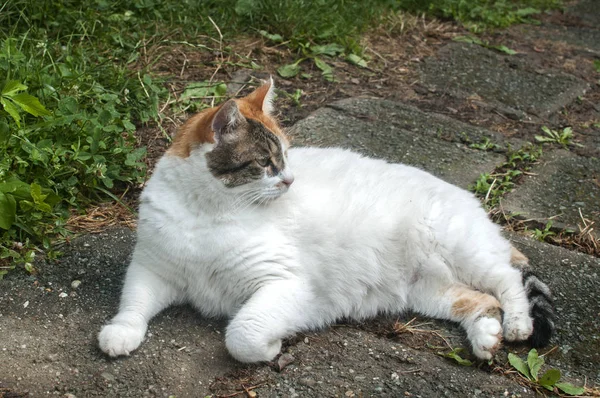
(223, 226)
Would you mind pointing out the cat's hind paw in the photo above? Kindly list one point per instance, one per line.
(517, 327)
(485, 336)
(117, 339)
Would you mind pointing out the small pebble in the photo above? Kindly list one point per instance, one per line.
(75, 284)
(307, 382)
(52, 357)
(284, 360)
(63, 295)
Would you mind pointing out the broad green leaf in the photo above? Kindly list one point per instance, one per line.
(356, 60)
(16, 188)
(12, 87)
(8, 210)
(128, 125)
(68, 105)
(519, 364)
(108, 182)
(4, 131)
(332, 49)
(525, 12)
(505, 49)
(246, 7)
(468, 39)
(540, 138)
(12, 110)
(30, 104)
(454, 354)
(534, 362)
(327, 70)
(220, 90)
(273, 37)
(289, 70)
(104, 117)
(203, 89)
(39, 198)
(84, 156)
(570, 389)
(549, 378)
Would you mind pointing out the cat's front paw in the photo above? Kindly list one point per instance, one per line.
(117, 339)
(517, 327)
(485, 336)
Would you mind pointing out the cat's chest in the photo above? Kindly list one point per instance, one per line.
(204, 242)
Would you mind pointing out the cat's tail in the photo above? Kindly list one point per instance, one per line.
(541, 309)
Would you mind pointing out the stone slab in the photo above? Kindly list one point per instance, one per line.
(561, 184)
(467, 70)
(588, 11)
(585, 39)
(400, 133)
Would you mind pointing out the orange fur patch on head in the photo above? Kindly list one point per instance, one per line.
(471, 302)
(198, 129)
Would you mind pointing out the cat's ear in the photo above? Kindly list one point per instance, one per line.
(262, 97)
(227, 118)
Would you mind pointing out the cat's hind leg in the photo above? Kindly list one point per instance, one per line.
(277, 310)
(479, 313)
(144, 295)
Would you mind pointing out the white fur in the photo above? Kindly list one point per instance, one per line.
(267, 105)
(353, 237)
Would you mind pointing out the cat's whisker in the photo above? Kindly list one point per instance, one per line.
(245, 200)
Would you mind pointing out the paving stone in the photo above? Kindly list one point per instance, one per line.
(400, 133)
(468, 70)
(588, 11)
(562, 184)
(583, 38)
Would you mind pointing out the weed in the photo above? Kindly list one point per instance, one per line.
(549, 380)
(295, 96)
(454, 354)
(542, 234)
(485, 145)
(486, 44)
(563, 138)
(205, 90)
(597, 65)
(317, 54)
(491, 187)
(478, 15)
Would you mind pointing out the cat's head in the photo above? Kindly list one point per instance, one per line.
(248, 148)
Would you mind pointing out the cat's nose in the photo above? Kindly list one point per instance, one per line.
(288, 180)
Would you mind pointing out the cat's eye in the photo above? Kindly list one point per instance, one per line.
(264, 162)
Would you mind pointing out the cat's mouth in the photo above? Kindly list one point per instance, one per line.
(274, 193)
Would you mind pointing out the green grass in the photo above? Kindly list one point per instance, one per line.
(82, 60)
(479, 15)
(492, 187)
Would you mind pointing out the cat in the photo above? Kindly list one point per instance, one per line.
(281, 240)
